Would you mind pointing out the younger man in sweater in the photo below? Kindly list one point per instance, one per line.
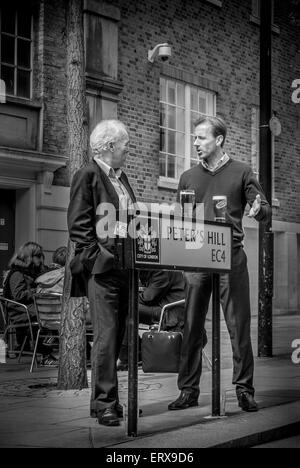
(218, 174)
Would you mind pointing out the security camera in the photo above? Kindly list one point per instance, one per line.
(161, 50)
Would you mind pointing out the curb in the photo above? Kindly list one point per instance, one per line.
(243, 430)
(278, 433)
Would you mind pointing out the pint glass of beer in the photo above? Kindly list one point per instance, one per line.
(188, 202)
(220, 208)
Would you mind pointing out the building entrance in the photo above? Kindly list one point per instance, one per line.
(7, 229)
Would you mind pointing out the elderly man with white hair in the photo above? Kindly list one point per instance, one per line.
(93, 269)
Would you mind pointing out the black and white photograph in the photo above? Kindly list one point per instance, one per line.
(150, 226)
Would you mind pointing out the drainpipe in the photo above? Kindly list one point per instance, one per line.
(265, 306)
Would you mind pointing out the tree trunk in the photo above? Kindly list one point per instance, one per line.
(72, 363)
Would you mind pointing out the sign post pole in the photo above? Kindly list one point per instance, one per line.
(216, 346)
(133, 330)
(206, 244)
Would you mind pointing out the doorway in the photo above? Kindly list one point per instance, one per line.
(7, 229)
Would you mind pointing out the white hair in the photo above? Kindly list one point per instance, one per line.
(106, 132)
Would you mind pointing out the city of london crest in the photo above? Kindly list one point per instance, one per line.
(147, 244)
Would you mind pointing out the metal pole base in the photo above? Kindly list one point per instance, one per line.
(211, 417)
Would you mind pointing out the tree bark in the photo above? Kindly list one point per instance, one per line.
(72, 362)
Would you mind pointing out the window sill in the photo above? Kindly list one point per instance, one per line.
(169, 184)
(217, 3)
(22, 102)
(256, 20)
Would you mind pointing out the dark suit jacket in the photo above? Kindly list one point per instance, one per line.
(161, 288)
(90, 187)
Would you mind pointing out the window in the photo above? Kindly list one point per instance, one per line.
(255, 15)
(16, 50)
(180, 105)
(256, 9)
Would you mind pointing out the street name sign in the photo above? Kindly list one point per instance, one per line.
(178, 243)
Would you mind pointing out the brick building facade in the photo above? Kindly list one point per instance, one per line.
(215, 61)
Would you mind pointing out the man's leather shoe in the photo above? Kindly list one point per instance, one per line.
(119, 410)
(247, 402)
(184, 401)
(108, 417)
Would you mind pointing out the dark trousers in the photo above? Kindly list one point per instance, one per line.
(235, 300)
(108, 298)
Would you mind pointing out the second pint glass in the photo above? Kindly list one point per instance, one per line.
(220, 208)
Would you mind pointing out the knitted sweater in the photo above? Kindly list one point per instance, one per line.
(234, 179)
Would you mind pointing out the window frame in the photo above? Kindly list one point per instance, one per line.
(169, 182)
(15, 66)
(255, 9)
(255, 15)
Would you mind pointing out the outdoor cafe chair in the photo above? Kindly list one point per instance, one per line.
(48, 312)
(11, 324)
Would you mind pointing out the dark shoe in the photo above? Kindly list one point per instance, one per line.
(184, 401)
(108, 417)
(119, 410)
(247, 402)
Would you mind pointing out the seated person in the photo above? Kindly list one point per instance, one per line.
(19, 285)
(160, 288)
(53, 280)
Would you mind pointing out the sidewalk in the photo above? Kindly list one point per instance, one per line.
(33, 413)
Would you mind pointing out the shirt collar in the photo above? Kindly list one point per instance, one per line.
(109, 171)
(221, 163)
